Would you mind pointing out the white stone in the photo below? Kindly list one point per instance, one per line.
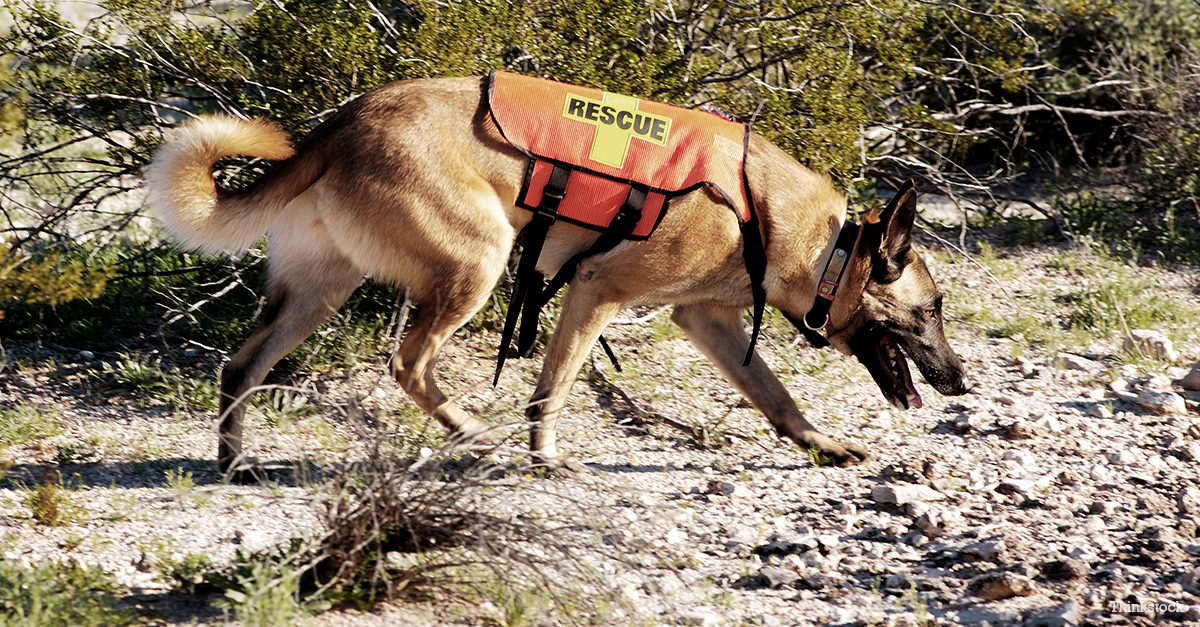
(1158, 381)
(1100, 410)
(1123, 457)
(1188, 500)
(902, 493)
(1150, 344)
(1099, 473)
(1192, 380)
(1023, 457)
(1075, 362)
(1161, 403)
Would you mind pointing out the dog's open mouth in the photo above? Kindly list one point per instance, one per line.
(897, 370)
(882, 356)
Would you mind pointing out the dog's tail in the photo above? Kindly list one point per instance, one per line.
(186, 198)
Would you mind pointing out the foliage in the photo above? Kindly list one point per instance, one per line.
(967, 96)
(50, 280)
(51, 504)
(59, 594)
(24, 423)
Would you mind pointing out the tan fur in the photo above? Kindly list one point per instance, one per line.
(412, 184)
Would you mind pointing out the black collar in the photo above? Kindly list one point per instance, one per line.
(831, 280)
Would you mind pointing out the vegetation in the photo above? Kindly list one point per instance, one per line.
(967, 97)
(1095, 104)
(59, 594)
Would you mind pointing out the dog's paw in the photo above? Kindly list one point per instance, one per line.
(561, 466)
(825, 451)
(850, 455)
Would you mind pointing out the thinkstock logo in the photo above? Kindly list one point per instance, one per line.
(1118, 607)
(618, 122)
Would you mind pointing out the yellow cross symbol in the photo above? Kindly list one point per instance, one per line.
(617, 121)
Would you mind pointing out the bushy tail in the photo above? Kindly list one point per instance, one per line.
(185, 196)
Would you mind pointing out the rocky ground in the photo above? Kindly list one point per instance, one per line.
(1065, 489)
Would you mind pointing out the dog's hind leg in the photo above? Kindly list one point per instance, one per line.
(718, 332)
(439, 314)
(307, 281)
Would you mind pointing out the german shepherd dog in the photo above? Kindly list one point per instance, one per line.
(414, 185)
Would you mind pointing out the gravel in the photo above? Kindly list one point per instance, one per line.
(1064, 490)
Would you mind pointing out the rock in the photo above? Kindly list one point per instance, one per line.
(938, 521)
(1103, 507)
(902, 493)
(1100, 410)
(775, 576)
(1063, 570)
(1161, 403)
(1187, 451)
(1093, 525)
(1068, 361)
(1065, 615)
(698, 618)
(1016, 429)
(1150, 344)
(1177, 374)
(967, 423)
(1192, 380)
(1048, 423)
(1153, 502)
(1190, 580)
(1001, 585)
(740, 538)
(1158, 381)
(917, 508)
(1023, 457)
(1188, 501)
(1006, 399)
(990, 550)
(1123, 457)
(1099, 473)
(898, 581)
(820, 581)
(987, 616)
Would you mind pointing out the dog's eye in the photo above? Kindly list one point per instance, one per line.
(931, 312)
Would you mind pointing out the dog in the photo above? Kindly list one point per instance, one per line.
(414, 185)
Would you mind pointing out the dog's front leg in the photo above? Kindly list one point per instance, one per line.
(717, 331)
(584, 315)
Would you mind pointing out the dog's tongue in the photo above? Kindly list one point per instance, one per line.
(898, 366)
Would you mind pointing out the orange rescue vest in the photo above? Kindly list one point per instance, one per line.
(611, 142)
(611, 163)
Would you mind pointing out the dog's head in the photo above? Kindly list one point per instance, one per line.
(889, 307)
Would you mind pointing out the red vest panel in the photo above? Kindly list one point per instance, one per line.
(611, 141)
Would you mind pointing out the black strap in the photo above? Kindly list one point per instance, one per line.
(524, 293)
(621, 227)
(755, 256)
(827, 286)
(831, 277)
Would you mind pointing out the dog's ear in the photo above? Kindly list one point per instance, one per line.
(891, 235)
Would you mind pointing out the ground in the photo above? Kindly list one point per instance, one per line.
(1049, 495)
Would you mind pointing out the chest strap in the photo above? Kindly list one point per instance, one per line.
(755, 256)
(531, 293)
(527, 292)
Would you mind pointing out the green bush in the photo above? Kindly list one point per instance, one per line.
(59, 594)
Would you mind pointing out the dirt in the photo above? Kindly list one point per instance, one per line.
(1048, 496)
